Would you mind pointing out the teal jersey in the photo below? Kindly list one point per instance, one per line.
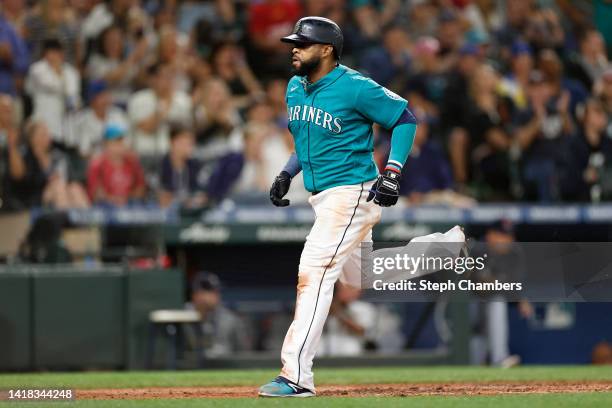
(331, 123)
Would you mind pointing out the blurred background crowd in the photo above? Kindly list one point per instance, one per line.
(183, 102)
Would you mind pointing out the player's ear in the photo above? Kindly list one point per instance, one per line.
(328, 50)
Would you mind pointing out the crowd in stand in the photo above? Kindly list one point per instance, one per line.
(183, 102)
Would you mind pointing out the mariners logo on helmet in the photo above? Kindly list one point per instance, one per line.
(319, 30)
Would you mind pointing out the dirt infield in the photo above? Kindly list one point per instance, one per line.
(362, 390)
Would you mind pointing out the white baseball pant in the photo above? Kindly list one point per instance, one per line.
(343, 223)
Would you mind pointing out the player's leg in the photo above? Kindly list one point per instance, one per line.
(351, 272)
(343, 220)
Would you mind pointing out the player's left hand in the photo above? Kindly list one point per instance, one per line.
(385, 191)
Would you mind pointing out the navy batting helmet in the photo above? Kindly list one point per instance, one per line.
(318, 30)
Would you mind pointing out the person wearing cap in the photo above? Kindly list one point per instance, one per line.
(115, 176)
(86, 129)
(55, 88)
(221, 331)
(514, 85)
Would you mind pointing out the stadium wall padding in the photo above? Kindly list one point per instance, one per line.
(81, 319)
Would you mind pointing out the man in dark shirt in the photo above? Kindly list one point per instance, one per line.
(179, 172)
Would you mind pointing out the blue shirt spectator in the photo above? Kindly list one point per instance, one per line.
(14, 57)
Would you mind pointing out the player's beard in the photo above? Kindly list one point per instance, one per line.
(307, 67)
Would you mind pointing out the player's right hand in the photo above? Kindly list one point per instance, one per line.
(385, 191)
(279, 189)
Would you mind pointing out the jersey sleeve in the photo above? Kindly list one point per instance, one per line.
(379, 104)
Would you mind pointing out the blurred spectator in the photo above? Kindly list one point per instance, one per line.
(275, 98)
(55, 87)
(349, 324)
(217, 121)
(514, 85)
(52, 19)
(221, 331)
(223, 21)
(230, 65)
(516, 15)
(427, 175)
(587, 162)
(115, 176)
(87, 127)
(172, 51)
(180, 171)
(450, 34)
(389, 64)
(111, 64)
(453, 111)
(9, 133)
(371, 16)
(544, 30)
(481, 148)
(264, 152)
(152, 110)
(104, 14)
(39, 173)
(269, 20)
(489, 114)
(589, 64)
(14, 57)
(426, 86)
(539, 132)
(15, 12)
(603, 90)
(423, 21)
(552, 68)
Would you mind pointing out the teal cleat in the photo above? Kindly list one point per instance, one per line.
(282, 387)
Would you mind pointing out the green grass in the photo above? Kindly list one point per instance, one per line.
(588, 400)
(90, 380)
(134, 379)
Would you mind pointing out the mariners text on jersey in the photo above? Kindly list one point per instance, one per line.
(315, 115)
(331, 123)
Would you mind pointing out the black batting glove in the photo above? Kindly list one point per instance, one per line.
(279, 189)
(385, 191)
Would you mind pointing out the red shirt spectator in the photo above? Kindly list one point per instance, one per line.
(272, 19)
(115, 176)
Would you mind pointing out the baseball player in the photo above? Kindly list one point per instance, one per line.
(331, 110)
